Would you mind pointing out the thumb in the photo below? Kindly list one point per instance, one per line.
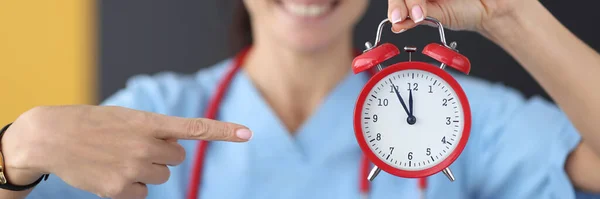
(200, 129)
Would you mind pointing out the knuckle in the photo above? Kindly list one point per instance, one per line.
(197, 128)
(131, 172)
(228, 131)
(115, 189)
(139, 118)
(142, 151)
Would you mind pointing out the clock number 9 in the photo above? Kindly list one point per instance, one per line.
(375, 118)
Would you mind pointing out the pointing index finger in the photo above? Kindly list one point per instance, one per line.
(200, 129)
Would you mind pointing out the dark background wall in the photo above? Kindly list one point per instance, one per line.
(148, 36)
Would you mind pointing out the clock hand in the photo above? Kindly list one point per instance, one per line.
(410, 102)
(411, 117)
(400, 98)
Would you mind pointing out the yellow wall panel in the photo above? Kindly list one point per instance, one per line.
(47, 54)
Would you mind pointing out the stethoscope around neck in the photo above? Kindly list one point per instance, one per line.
(365, 175)
(211, 113)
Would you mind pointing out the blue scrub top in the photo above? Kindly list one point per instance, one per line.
(517, 147)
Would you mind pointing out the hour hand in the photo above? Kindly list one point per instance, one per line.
(410, 102)
(400, 98)
(411, 116)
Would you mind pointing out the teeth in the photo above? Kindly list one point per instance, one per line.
(306, 10)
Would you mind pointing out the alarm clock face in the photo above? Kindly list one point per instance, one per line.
(421, 137)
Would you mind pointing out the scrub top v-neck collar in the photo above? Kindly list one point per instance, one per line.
(327, 132)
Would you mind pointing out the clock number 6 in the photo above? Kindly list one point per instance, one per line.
(410, 155)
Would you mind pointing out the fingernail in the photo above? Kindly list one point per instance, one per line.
(396, 16)
(417, 14)
(244, 134)
(397, 32)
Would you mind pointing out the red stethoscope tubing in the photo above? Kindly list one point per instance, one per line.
(211, 113)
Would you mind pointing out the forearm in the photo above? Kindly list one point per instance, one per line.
(7, 194)
(17, 177)
(16, 167)
(566, 68)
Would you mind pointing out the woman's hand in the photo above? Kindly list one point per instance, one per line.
(474, 15)
(110, 151)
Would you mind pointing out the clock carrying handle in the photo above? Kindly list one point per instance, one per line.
(430, 19)
(446, 54)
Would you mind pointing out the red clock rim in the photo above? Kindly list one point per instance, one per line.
(406, 66)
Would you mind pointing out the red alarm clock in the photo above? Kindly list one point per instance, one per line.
(412, 119)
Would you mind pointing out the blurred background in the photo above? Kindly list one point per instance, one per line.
(82, 51)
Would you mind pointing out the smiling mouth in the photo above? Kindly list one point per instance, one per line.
(308, 10)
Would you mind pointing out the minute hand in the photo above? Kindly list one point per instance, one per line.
(400, 98)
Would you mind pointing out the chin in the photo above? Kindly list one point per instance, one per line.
(309, 43)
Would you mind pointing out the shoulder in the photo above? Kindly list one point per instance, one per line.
(169, 92)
